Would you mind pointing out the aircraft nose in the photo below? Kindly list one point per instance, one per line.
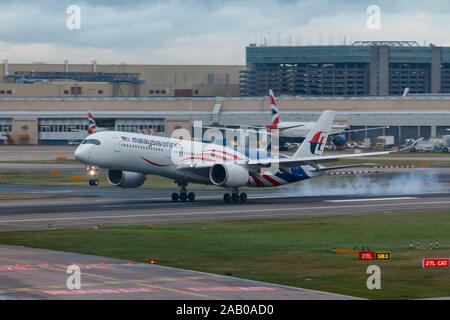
(82, 154)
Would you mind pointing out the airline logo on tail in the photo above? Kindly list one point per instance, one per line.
(317, 142)
(275, 112)
(92, 126)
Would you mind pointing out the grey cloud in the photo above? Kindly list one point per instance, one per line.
(157, 26)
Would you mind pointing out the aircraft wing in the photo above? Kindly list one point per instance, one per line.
(369, 165)
(355, 130)
(266, 132)
(315, 161)
(312, 161)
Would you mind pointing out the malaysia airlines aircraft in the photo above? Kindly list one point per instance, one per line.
(129, 157)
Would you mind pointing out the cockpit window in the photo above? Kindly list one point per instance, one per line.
(91, 141)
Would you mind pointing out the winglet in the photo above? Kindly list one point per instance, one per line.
(412, 145)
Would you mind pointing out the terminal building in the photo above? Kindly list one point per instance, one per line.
(58, 120)
(377, 68)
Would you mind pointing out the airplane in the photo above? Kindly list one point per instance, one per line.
(129, 157)
(297, 131)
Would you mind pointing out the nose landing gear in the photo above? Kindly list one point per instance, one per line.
(92, 171)
(183, 196)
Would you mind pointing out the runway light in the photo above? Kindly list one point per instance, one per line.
(129, 262)
(153, 261)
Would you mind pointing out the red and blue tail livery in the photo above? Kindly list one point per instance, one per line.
(92, 125)
(317, 142)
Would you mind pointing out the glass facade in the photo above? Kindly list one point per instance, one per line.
(342, 70)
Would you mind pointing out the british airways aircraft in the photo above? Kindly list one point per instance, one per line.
(129, 157)
(297, 131)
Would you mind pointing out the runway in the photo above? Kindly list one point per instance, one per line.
(41, 274)
(156, 208)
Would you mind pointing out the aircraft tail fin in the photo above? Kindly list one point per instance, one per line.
(405, 92)
(316, 139)
(275, 112)
(92, 125)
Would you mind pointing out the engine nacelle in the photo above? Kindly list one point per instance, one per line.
(339, 140)
(125, 179)
(228, 175)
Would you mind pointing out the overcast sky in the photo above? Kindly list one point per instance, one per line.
(203, 31)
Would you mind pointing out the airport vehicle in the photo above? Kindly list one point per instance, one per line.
(128, 157)
(433, 145)
(74, 142)
(383, 142)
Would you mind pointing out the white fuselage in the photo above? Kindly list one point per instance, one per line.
(301, 129)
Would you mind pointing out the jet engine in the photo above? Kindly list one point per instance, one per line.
(228, 175)
(125, 179)
(339, 140)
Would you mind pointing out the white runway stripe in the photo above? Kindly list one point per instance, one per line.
(371, 199)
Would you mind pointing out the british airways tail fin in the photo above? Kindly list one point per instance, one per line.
(275, 112)
(315, 141)
(92, 125)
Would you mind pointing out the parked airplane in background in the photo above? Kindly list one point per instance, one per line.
(297, 131)
(129, 157)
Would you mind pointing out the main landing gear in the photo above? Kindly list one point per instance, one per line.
(92, 170)
(235, 196)
(183, 196)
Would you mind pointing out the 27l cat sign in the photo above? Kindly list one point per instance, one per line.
(436, 263)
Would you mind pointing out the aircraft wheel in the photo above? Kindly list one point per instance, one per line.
(445, 149)
(95, 182)
(175, 197)
(183, 197)
(191, 196)
(243, 197)
(235, 197)
(226, 197)
(90, 182)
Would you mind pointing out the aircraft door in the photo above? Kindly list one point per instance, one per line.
(116, 142)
